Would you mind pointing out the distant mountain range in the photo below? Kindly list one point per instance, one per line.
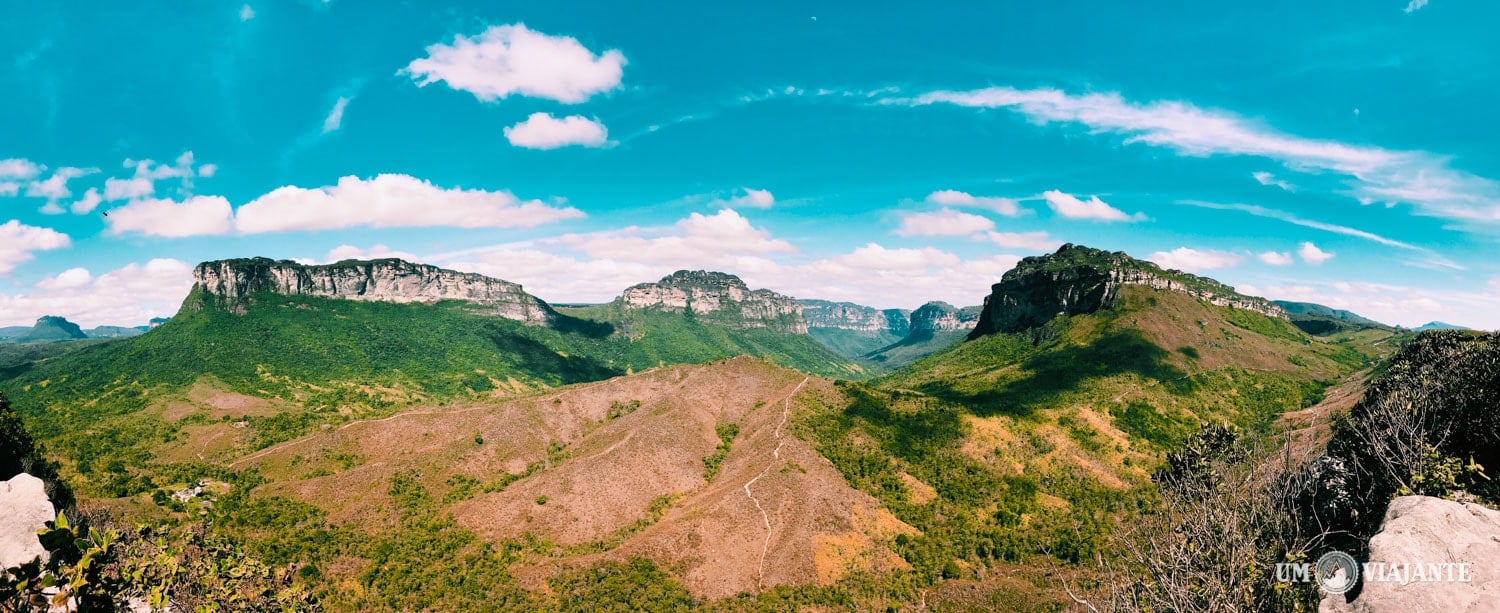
(1318, 319)
(52, 328)
(1438, 325)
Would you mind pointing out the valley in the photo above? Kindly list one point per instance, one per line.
(692, 438)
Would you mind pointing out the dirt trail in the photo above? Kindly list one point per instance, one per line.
(1306, 431)
(786, 411)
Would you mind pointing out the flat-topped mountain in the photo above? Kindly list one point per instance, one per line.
(232, 282)
(53, 328)
(1078, 280)
(939, 316)
(718, 297)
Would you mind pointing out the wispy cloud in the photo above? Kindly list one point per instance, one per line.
(335, 118)
(1414, 6)
(1430, 258)
(1423, 180)
(1268, 179)
(1269, 213)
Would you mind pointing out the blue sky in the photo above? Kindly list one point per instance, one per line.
(1337, 152)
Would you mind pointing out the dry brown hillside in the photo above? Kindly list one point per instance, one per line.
(603, 487)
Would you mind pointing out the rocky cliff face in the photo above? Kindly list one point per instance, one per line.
(850, 316)
(1077, 280)
(232, 284)
(718, 297)
(940, 316)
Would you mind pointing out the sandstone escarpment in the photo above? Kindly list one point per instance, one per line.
(232, 284)
(1077, 280)
(718, 297)
(850, 316)
(938, 316)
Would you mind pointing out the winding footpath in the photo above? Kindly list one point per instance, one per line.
(786, 411)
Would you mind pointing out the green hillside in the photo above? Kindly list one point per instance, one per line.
(330, 361)
(1034, 447)
(852, 343)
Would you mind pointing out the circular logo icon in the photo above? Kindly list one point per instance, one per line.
(1337, 572)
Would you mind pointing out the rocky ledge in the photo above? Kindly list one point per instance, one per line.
(1077, 280)
(232, 284)
(719, 297)
(1431, 554)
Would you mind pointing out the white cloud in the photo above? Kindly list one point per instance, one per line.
(1275, 258)
(18, 241)
(513, 59)
(17, 168)
(130, 295)
(88, 202)
(699, 240)
(597, 267)
(55, 187)
(335, 116)
(1268, 179)
(128, 189)
(142, 182)
(1195, 260)
(247, 13)
(350, 252)
(72, 277)
(195, 216)
(392, 201)
(543, 131)
(753, 198)
(9, 188)
(1401, 305)
(1071, 207)
(948, 197)
(1029, 241)
(1414, 6)
(1423, 180)
(1312, 254)
(943, 222)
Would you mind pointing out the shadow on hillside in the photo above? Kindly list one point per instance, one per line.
(911, 435)
(541, 361)
(1067, 369)
(568, 324)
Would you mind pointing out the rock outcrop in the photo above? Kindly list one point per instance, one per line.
(1077, 280)
(1427, 531)
(857, 317)
(24, 509)
(938, 316)
(718, 297)
(233, 284)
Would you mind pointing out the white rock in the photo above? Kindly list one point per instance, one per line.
(1426, 530)
(24, 509)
